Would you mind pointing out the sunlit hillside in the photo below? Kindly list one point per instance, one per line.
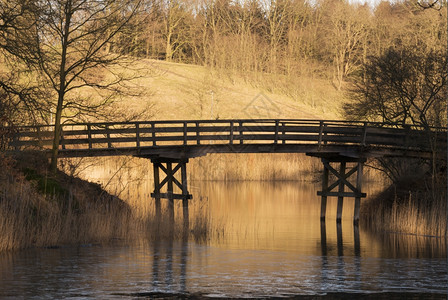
(182, 91)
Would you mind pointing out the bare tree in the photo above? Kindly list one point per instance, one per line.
(278, 15)
(71, 48)
(348, 27)
(401, 87)
(175, 30)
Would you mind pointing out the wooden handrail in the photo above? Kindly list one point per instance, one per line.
(94, 136)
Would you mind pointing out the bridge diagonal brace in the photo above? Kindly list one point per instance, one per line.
(170, 179)
(170, 194)
(341, 177)
(342, 181)
(170, 175)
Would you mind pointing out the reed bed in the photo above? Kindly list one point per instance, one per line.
(255, 167)
(80, 212)
(212, 167)
(29, 218)
(420, 213)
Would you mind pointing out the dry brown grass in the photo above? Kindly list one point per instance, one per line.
(255, 167)
(84, 212)
(185, 91)
(418, 213)
(29, 217)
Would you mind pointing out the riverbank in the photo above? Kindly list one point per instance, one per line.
(39, 210)
(408, 207)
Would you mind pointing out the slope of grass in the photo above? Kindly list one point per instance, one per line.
(181, 91)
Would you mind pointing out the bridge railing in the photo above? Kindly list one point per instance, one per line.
(201, 132)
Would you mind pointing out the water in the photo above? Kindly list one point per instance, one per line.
(273, 246)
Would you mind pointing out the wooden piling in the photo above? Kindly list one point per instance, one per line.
(185, 192)
(358, 187)
(323, 203)
(157, 189)
(340, 192)
(169, 175)
(340, 243)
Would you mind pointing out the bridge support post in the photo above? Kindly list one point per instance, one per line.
(169, 168)
(337, 166)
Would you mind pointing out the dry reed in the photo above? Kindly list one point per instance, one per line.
(32, 218)
(420, 213)
(86, 213)
(255, 167)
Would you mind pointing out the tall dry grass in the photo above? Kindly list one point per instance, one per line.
(408, 245)
(255, 167)
(84, 212)
(28, 218)
(219, 167)
(31, 218)
(421, 213)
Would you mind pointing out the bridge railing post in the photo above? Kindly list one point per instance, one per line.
(61, 140)
(276, 131)
(321, 130)
(198, 134)
(241, 132)
(324, 138)
(185, 132)
(283, 133)
(16, 140)
(153, 133)
(89, 135)
(364, 134)
(231, 134)
(39, 137)
(109, 144)
(137, 135)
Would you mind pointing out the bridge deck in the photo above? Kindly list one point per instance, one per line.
(193, 138)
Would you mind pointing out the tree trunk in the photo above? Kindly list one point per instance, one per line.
(61, 90)
(57, 134)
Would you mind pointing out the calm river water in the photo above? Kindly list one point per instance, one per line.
(273, 246)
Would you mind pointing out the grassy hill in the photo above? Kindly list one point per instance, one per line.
(181, 91)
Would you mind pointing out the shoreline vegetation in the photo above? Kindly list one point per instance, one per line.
(39, 210)
(407, 208)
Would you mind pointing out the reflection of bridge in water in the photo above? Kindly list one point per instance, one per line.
(342, 146)
(170, 262)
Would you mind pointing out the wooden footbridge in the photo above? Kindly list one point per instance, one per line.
(342, 146)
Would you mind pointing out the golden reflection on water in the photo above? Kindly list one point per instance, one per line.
(285, 216)
(267, 215)
(274, 216)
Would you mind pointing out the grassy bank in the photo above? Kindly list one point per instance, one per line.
(39, 210)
